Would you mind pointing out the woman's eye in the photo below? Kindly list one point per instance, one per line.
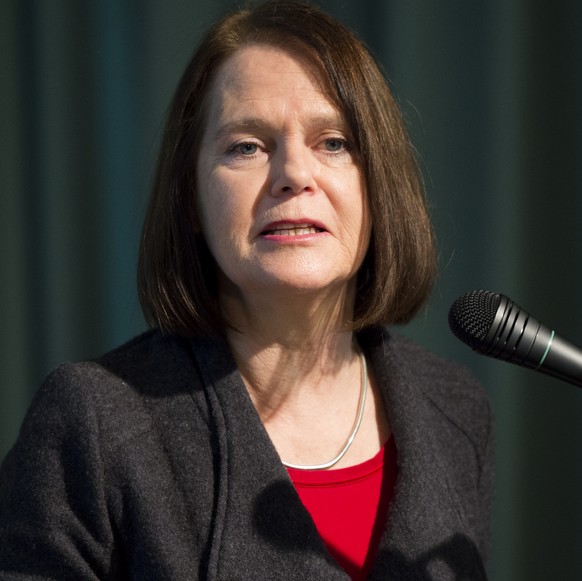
(245, 148)
(334, 144)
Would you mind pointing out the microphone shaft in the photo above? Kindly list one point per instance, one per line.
(516, 337)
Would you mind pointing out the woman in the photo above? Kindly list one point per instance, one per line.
(254, 432)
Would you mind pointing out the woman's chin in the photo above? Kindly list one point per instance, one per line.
(297, 285)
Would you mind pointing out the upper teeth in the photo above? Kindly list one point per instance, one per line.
(295, 231)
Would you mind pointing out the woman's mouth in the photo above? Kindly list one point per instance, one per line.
(290, 229)
(293, 230)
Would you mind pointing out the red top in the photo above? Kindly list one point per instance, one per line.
(349, 507)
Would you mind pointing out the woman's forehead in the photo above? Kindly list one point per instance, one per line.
(257, 77)
(256, 66)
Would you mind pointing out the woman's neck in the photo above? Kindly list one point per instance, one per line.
(277, 366)
(290, 351)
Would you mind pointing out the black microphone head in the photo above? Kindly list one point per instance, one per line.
(493, 325)
(471, 316)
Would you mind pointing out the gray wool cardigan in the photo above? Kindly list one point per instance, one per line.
(151, 463)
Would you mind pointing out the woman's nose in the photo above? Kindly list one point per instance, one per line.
(293, 171)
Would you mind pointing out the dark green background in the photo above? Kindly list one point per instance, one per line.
(492, 93)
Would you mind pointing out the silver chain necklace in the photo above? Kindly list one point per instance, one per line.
(359, 415)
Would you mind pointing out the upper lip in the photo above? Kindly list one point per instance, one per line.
(288, 224)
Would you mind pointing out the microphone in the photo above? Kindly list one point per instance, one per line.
(493, 325)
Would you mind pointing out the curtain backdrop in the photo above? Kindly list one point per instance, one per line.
(492, 93)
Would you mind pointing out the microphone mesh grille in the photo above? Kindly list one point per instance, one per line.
(471, 316)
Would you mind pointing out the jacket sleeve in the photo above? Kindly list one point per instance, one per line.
(53, 508)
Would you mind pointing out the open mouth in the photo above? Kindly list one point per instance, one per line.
(293, 230)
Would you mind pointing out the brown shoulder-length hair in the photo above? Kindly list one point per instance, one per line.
(177, 276)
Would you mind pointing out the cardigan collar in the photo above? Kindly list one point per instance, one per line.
(260, 518)
(426, 536)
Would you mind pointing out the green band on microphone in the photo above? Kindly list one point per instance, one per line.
(547, 350)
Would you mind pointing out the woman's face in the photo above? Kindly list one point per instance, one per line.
(280, 194)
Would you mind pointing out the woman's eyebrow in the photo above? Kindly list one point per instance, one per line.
(245, 124)
(260, 125)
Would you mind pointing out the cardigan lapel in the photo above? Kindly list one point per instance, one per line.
(425, 536)
(261, 525)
